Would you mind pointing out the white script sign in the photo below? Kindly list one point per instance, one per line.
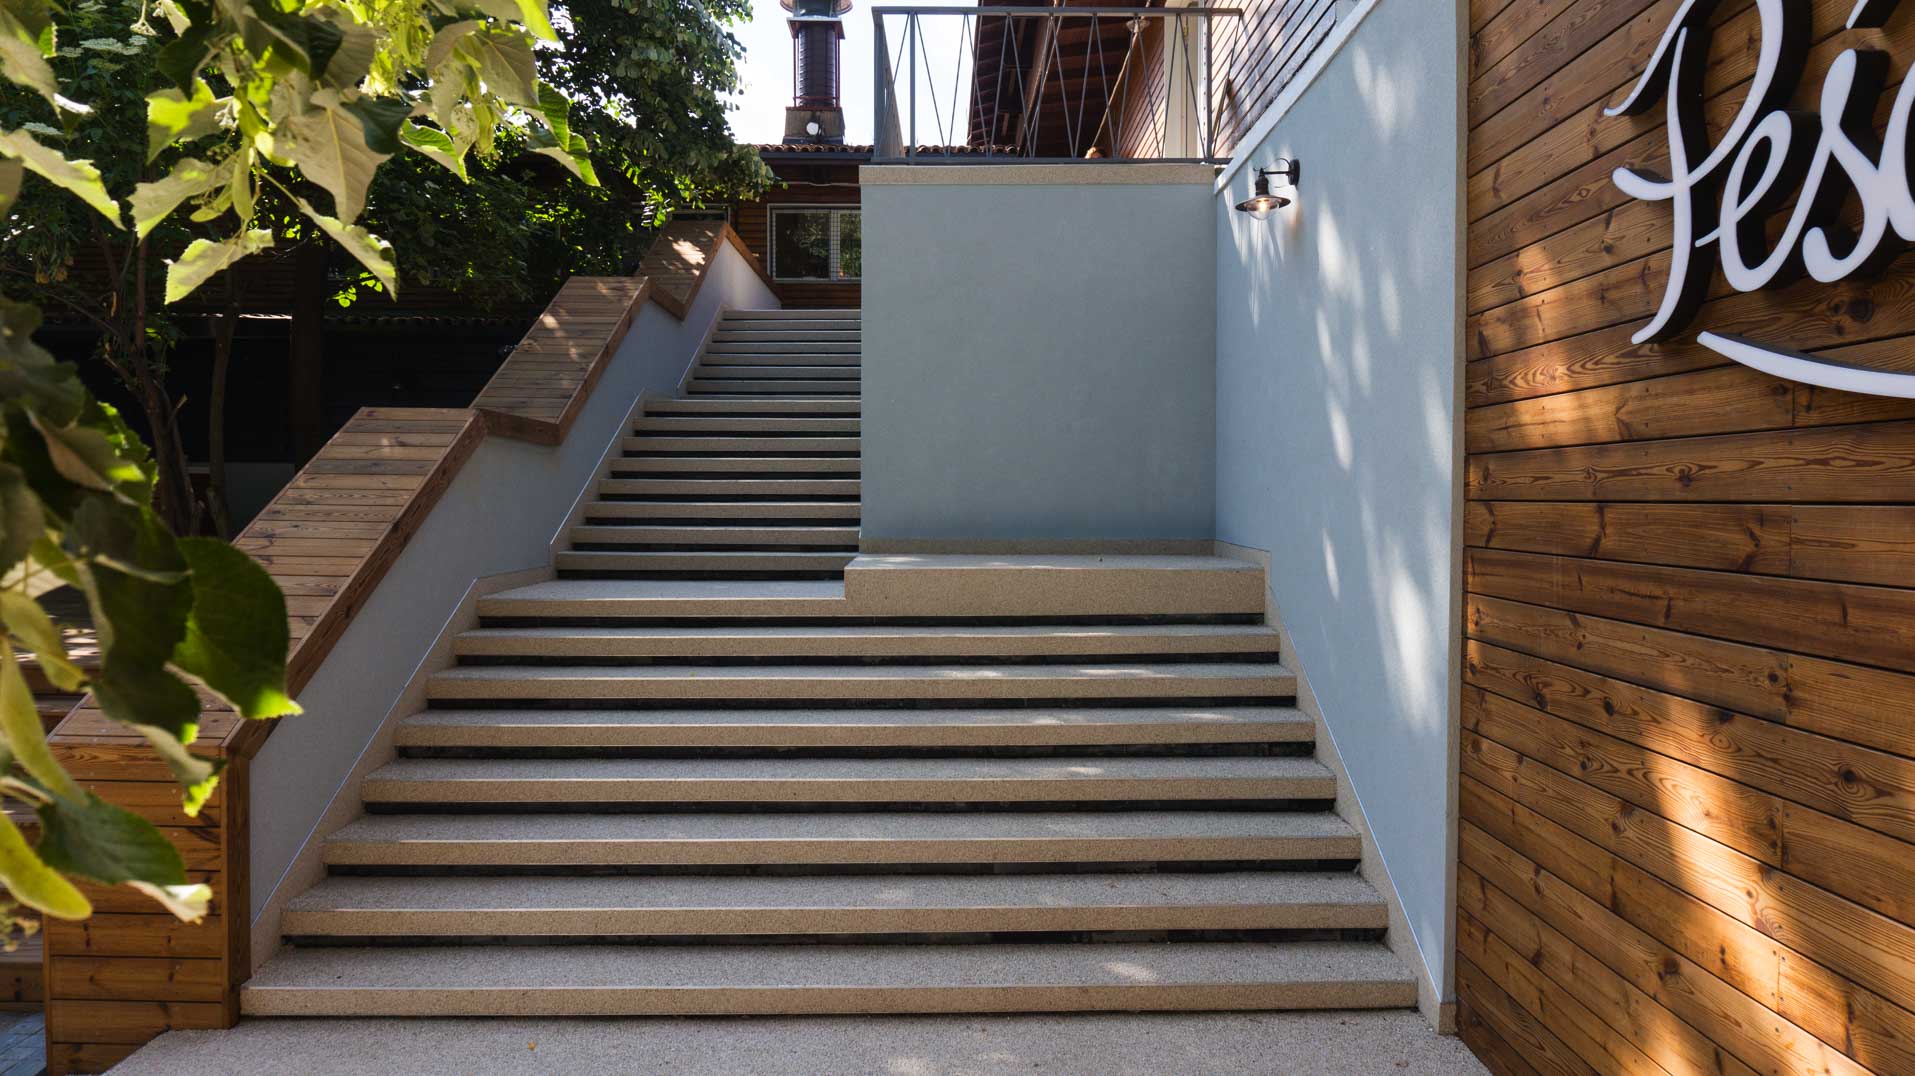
(1719, 196)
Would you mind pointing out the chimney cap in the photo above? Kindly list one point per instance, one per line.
(835, 7)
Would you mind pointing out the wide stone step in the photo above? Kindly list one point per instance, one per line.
(719, 488)
(778, 360)
(801, 324)
(784, 343)
(559, 842)
(739, 510)
(855, 682)
(740, 426)
(723, 369)
(735, 464)
(777, 387)
(641, 781)
(840, 908)
(672, 598)
(601, 980)
(775, 405)
(723, 446)
(950, 586)
(864, 729)
(574, 560)
(795, 313)
(740, 537)
(853, 642)
(756, 333)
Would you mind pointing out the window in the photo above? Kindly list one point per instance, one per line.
(817, 244)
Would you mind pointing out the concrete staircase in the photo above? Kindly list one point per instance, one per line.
(728, 785)
(751, 474)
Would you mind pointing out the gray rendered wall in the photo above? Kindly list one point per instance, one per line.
(1338, 365)
(498, 516)
(1038, 356)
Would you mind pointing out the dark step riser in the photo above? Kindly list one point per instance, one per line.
(710, 547)
(903, 621)
(824, 870)
(761, 523)
(860, 703)
(1263, 806)
(1249, 749)
(998, 937)
(904, 661)
(689, 577)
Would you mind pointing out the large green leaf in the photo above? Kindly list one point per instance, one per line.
(444, 40)
(197, 774)
(32, 882)
(30, 625)
(283, 40)
(373, 252)
(87, 836)
(190, 177)
(11, 173)
(328, 144)
(379, 118)
(79, 177)
(23, 55)
(204, 259)
(21, 520)
(85, 454)
(136, 582)
(237, 637)
(437, 145)
(173, 117)
(505, 61)
(26, 736)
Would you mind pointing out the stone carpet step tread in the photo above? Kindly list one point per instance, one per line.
(1089, 680)
(833, 780)
(860, 640)
(613, 980)
(855, 728)
(558, 841)
(834, 904)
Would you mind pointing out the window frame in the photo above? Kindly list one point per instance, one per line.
(836, 213)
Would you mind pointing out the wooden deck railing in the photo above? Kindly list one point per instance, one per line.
(133, 972)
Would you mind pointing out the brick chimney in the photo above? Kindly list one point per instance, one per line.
(815, 114)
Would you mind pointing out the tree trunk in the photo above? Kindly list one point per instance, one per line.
(173, 496)
(305, 405)
(223, 332)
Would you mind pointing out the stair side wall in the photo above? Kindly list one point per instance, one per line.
(1339, 358)
(498, 516)
(1038, 352)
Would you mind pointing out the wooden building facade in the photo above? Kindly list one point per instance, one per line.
(1687, 832)
(813, 207)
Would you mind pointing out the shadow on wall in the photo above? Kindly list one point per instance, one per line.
(1337, 441)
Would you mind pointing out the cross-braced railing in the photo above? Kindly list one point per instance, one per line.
(1045, 84)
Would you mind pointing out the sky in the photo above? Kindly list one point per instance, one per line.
(766, 71)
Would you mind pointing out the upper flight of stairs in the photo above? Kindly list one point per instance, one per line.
(751, 474)
(922, 784)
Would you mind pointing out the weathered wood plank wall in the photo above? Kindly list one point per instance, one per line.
(1688, 748)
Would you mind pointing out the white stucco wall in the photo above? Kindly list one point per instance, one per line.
(1038, 352)
(499, 514)
(1338, 370)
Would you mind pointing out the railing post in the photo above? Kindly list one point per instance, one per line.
(911, 43)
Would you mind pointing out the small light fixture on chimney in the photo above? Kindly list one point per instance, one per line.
(813, 129)
(1261, 202)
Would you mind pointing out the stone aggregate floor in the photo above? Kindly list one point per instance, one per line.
(23, 1044)
(1276, 1044)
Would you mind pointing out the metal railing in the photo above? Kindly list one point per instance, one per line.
(1045, 85)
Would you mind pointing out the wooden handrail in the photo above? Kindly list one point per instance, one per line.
(328, 538)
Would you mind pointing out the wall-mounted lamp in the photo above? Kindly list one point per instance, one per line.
(1262, 203)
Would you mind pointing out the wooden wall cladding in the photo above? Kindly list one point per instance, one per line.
(802, 185)
(1687, 836)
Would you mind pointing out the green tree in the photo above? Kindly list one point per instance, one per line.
(265, 99)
